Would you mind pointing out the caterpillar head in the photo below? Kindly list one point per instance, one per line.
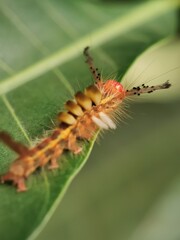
(113, 87)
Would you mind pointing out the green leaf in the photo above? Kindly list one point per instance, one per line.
(42, 66)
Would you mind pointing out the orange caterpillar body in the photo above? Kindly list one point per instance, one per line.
(90, 111)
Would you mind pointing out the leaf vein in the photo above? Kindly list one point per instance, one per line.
(34, 40)
(15, 117)
(31, 37)
(4, 66)
(58, 19)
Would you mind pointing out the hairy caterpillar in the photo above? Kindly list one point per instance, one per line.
(88, 112)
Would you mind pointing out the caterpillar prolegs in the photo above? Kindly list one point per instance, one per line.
(88, 112)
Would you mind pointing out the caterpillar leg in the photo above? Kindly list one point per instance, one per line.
(85, 133)
(53, 162)
(72, 144)
(19, 182)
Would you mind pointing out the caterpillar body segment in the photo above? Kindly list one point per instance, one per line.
(89, 111)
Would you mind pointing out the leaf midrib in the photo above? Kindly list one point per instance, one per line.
(134, 18)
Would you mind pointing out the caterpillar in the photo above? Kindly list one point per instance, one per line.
(91, 110)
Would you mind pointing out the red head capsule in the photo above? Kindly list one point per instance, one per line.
(114, 87)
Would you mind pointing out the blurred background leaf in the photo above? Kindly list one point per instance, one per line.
(133, 177)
